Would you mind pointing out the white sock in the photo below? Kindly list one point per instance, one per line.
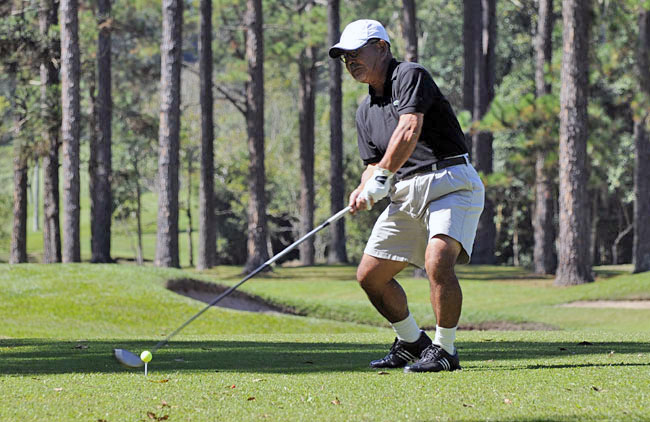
(445, 338)
(407, 330)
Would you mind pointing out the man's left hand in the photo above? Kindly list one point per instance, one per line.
(377, 187)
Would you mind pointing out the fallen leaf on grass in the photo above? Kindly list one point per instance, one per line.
(102, 420)
(336, 401)
(467, 405)
(382, 373)
(585, 343)
(159, 381)
(233, 386)
(80, 346)
(563, 348)
(58, 389)
(163, 404)
(593, 387)
(507, 401)
(153, 416)
(251, 398)
(258, 379)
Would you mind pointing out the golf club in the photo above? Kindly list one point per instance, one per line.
(132, 360)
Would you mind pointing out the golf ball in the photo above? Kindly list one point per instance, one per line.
(145, 356)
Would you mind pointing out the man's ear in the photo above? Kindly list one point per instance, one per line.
(385, 48)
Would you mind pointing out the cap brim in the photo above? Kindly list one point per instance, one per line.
(341, 48)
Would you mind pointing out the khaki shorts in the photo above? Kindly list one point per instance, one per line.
(447, 201)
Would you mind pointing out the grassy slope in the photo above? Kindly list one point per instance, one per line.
(65, 320)
(112, 301)
(490, 294)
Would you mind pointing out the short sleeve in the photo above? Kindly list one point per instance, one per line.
(367, 149)
(416, 91)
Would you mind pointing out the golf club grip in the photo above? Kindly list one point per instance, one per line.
(268, 263)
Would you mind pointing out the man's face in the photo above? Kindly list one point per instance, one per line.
(363, 63)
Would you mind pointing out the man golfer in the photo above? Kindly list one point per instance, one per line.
(415, 153)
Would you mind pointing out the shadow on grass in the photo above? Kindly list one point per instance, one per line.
(40, 356)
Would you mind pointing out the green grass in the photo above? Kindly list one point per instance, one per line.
(490, 294)
(60, 323)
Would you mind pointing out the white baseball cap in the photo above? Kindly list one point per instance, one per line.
(356, 34)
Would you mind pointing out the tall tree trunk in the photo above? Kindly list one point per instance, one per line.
(100, 150)
(337, 251)
(641, 248)
(188, 211)
(36, 194)
(19, 232)
(544, 257)
(574, 265)
(257, 221)
(306, 116)
(482, 153)
(168, 138)
(71, 116)
(50, 113)
(410, 30)
(207, 228)
(138, 211)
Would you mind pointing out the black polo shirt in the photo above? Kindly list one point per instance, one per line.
(412, 90)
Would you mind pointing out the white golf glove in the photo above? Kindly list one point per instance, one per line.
(377, 187)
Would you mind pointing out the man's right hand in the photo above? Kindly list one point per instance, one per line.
(357, 203)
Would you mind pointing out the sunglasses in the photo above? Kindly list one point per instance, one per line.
(352, 55)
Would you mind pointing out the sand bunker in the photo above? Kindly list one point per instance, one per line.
(617, 304)
(207, 292)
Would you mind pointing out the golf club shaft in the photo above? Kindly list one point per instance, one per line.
(288, 249)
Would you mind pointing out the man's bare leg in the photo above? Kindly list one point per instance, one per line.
(447, 301)
(446, 295)
(375, 275)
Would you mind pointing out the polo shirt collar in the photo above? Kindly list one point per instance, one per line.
(390, 76)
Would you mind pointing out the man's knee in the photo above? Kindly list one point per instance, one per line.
(442, 253)
(375, 272)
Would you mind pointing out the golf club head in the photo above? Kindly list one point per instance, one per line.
(128, 359)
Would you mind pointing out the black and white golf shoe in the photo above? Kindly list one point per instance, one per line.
(402, 353)
(435, 359)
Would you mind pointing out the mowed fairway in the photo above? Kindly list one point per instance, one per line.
(61, 322)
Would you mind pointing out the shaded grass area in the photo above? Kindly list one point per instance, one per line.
(318, 377)
(48, 356)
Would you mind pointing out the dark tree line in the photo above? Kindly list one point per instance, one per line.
(57, 58)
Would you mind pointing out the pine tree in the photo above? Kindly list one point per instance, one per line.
(71, 117)
(641, 248)
(574, 265)
(207, 229)
(169, 134)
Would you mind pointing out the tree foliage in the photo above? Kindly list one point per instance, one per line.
(521, 122)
